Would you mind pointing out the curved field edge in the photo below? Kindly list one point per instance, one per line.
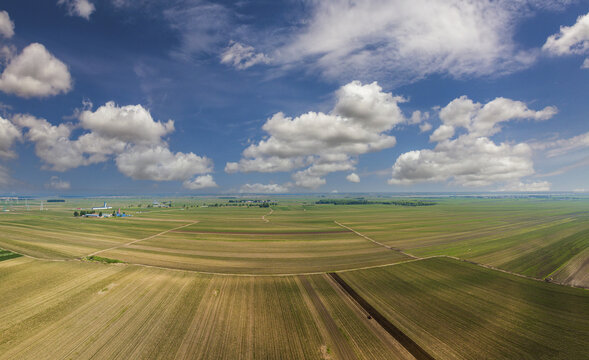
(458, 310)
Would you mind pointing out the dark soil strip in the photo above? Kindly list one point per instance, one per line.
(265, 233)
(342, 347)
(395, 332)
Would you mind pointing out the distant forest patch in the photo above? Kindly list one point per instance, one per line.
(373, 202)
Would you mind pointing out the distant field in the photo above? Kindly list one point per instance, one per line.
(227, 282)
(458, 310)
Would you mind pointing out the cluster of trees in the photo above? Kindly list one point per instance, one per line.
(368, 202)
(84, 212)
(87, 212)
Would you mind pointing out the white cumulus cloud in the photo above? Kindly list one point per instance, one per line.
(57, 184)
(6, 25)
(131, 123)
(322, 143)
(200, 182)
(35, 72)
(127, 134)
(160, 164)
(8, 135)
(425, 127)
(242, 56)
(81, 8)
(571, 39)
(353, 177)
(471, 159)
(263, 188)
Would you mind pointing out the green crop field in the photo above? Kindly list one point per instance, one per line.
(208, 278)
(458, 310)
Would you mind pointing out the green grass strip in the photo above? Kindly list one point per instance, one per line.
(103, 260)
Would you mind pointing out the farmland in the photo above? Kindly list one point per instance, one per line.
(251, 282)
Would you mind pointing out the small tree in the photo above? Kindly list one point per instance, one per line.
(100, 214)
(76, 214)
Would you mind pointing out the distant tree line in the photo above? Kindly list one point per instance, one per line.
(369, 202)
(84, 212)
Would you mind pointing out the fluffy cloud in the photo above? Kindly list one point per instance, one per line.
(128, 134)
(468, 161)
(53, 144)
(35, 73)
(242, 56)
(353, 177)
(263, 188)
(585, 64)
(471, 159)
(81, 8)
(485, 120)
(425, 127)
(57, 184)
(200, 182)
(571, 39)
(8, 135)
(359, 123)
(407, 40)
(160, 164)
(131, 123)
(6, 25)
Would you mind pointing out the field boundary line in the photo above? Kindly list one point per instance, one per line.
(138, 240)
(376, 242)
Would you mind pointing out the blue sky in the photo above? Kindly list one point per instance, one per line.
(196, 97)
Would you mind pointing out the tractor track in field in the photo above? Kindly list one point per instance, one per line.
(376, 242)
(414, 349)
(343, 349)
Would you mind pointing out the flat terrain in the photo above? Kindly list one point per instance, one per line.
(90, 310)
(228, 282)
(455, 309)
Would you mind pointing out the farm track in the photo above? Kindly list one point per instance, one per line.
(376, 242)
(400, 336)
(262, 233)
(342, 347)
(268, 214)
(138, 240)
